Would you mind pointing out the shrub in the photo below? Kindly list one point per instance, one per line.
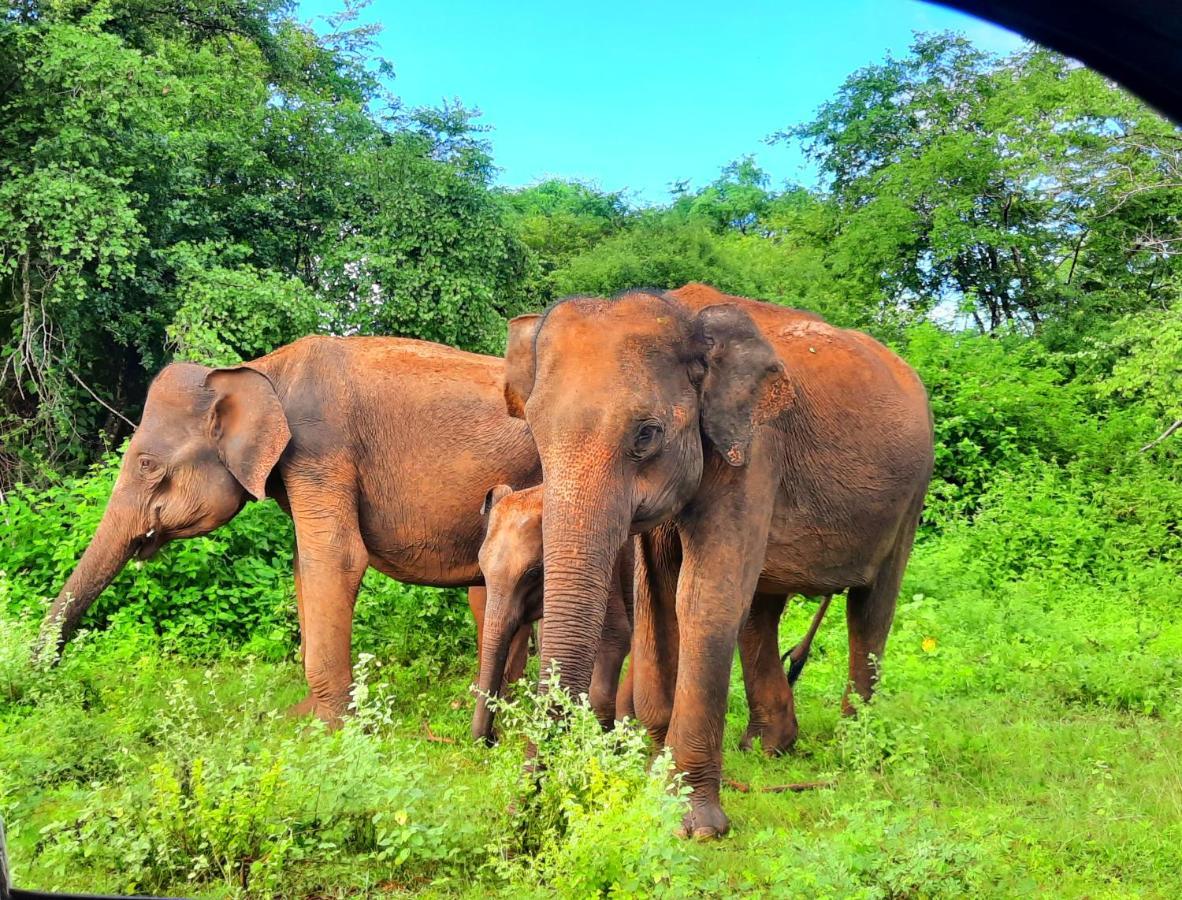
(223, 801)
(590, 819)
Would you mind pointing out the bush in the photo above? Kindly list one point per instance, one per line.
(222, 800)
(590, 818)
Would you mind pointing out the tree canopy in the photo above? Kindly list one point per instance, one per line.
(210, 180)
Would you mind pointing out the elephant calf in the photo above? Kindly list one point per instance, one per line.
(511, 559)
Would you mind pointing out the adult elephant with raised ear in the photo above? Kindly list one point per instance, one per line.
(380, 449)
(758, 450)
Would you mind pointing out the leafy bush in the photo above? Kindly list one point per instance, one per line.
(211, 807)
(590, 817)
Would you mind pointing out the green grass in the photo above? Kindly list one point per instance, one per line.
(1023, 753)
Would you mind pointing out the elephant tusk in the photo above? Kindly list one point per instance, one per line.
(151, 531)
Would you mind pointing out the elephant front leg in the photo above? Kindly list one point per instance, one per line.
(614, 644)
(332, 562)
(771, 711)
(653, 670)
(724, 540)
(306, 705)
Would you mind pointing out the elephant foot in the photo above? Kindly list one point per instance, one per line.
(330, 712)
(776, 738)
(301, 709)
(704, 821)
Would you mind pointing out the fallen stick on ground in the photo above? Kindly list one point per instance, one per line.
(433, 737)
(795, 788)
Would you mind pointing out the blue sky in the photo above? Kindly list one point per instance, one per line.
(633, 95)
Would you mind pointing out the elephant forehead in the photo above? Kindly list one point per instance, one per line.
(517, 514)
(623, 353)
(179, 390)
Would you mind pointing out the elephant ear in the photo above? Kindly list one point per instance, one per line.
(519, 363)
(495, 495)
(248, 425)
(740, 366)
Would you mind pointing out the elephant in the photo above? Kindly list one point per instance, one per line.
(380, 449)
(755, 450)
(511, 560)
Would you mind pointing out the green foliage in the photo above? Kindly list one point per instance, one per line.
(199, 804)
(1021, 189)
(445, 267)
(590, 819)
(214, 178)
(559, 220)
(1144, 353)
(228, 315)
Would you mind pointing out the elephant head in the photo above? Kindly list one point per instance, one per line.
(206, 443)
(625, 399)
(511, 560)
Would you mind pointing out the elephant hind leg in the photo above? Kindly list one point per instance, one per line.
(771, 711)
(869, 612)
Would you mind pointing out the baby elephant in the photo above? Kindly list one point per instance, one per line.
(511, 560)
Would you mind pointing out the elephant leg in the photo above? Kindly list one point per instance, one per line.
(869, 612)
(724, 541)
(304, 706)
(614, 644)
(477, 598)
(653, 670)
(771, 712)
(518, 655)
(333, 559)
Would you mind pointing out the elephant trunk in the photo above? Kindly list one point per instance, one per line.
(114, 542)
(500, 627)
(584, 526)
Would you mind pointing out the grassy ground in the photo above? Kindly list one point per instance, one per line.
(1005, 757)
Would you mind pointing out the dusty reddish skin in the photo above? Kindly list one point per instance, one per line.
(380, 449)
(791, 457)
(511, 559)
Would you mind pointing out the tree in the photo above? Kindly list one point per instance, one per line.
(211, 178)
(986, 185)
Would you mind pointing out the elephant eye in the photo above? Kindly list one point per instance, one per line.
(148, 466)
(647, 440)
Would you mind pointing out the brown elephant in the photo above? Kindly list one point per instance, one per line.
(755, 449)
(511, 560)
(380, 449)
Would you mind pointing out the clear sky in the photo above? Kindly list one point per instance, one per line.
(633, 95)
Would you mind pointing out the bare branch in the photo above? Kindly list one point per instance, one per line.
(104, 403)
(1165, 434)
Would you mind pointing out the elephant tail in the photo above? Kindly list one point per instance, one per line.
(798, 655)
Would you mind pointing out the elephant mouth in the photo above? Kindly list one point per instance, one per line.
(147, 544)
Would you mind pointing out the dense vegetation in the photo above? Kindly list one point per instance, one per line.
(209, 180)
